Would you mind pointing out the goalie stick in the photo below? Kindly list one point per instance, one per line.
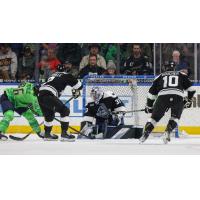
(130, 111)
(23, 138)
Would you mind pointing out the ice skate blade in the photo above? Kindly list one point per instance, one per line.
(165, 141)
(62, 139)
(166, 138)
(142, 140)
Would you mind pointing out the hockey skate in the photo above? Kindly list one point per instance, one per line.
(40, 135)
(166, 137)
(144, 137)
(67, 137)
(50, 137)
(3, 137)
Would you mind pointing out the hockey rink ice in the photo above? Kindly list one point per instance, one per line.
(153, 146)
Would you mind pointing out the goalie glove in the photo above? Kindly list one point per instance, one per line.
(76, 93)
(187, 103)
(148, 109)
(117, 118)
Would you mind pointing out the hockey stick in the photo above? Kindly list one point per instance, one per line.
(23, 138)
(131, 111)
(78, 132)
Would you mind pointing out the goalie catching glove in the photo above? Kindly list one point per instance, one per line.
(118, 118)
(187, 103)
(76, 93)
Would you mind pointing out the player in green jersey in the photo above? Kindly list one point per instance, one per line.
(22, 100)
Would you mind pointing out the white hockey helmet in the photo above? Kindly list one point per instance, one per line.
(96, 94)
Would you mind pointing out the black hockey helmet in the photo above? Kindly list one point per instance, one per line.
(169, 66)
(60, 68)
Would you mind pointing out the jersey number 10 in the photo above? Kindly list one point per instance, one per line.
(170, 81)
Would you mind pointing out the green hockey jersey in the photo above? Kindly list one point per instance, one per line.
(24, 96)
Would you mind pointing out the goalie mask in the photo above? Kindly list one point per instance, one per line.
(96, 94)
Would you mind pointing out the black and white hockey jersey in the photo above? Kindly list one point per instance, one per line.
(59, 81)
(109, 100)
(170, 83)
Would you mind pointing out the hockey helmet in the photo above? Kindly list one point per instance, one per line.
(96, 94)
(60, 68)
(170, 66)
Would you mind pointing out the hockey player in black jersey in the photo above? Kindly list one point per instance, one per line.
(106, 109)
(50, 103)
(167, 92)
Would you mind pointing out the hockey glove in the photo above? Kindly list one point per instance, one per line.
(187, 103)
(117, 118)
(148, 109)
(76, 93)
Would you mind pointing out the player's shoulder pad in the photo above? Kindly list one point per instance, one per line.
(182, 73)
(157, 77)
(108, 94)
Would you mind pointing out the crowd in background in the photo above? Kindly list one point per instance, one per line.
(31, 61)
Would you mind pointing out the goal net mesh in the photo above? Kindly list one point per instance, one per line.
(132, 90)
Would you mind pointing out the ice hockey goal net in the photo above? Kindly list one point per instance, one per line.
(132, 90)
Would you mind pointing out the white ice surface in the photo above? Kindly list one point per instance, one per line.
(154, 146)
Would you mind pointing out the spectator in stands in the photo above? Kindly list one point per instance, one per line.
(26, 64)
(109, 51)
(70, 68)
(137, 63)
(48, 64)
(17, 48)
(181, 65)
(8, 62)
(70, 51)
(91, 68)
(111, 68)
(94, 50)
